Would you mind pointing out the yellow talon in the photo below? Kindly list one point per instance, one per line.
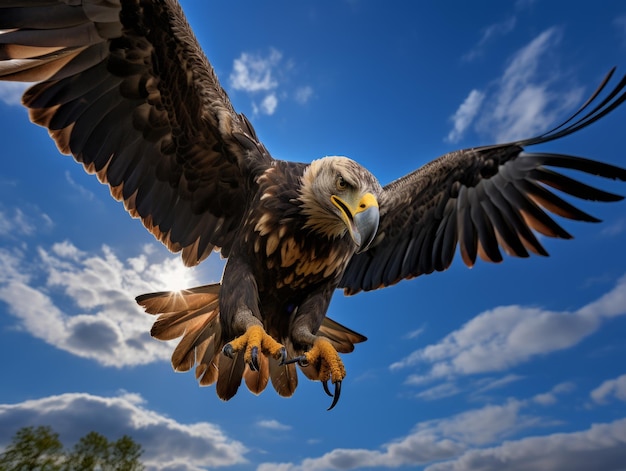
(326, 360)
(256, 337)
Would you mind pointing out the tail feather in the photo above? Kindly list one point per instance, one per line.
(340, 336)
(257, 380)
(284, 378)
(207, 373)
(230, 372)
(193, 314)
(199, 345)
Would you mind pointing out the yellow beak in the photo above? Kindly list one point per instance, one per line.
(361, 217)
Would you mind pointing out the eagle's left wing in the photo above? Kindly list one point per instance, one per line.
(482, 199)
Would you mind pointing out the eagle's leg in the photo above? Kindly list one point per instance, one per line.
(242, 327)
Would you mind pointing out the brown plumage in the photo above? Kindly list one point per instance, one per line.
(124, 87)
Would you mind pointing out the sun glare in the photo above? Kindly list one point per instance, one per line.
(174, 276)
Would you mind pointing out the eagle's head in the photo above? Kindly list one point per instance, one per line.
(339, 196)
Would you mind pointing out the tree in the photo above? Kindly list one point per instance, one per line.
(90, 453)
(126, 454)
(39, 449)
(94, 452)
(33, 449)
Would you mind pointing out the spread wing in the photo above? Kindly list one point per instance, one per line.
(125, 88)
(481, 199)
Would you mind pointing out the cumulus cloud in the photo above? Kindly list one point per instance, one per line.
(610, 388)
(267, 105)
(264, 78)
(525, 100)
(254, 73)
(167, 444)
(102, 321)
(484, 439)
(11, 92)
(432, 440)
(602, 446)
(506, 336)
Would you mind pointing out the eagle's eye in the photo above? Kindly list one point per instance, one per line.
(342, 184)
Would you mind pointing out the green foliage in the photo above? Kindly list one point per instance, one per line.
(33, 449)
(39, 449)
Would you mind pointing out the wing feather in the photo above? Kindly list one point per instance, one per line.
(124, 87)
(482, 199)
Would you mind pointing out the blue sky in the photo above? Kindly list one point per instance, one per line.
(511, 366)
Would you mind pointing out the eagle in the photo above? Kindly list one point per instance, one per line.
(124, 87)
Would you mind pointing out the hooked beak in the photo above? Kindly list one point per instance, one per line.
(361, 217)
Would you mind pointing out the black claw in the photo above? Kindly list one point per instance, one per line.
(254, 359)
(283, 356)
(228, 351)
(336, 395)
(326, 390)
(301, 360)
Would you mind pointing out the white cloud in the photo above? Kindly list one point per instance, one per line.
(15, 223)
(167, 444)
(490, 32)
(415, 333)
(526, 100)
(506, 336)
(465, 114)
(11, 92)
(610, 388)
(254, 73)
(432, 440)
(489, 384)
(550, 398)
(267, 106)
(102, 322)
(601, 447)
(272, 424)
(303, 94)
(264, 79)
(439, 392)
(84, 192)
(472, 440)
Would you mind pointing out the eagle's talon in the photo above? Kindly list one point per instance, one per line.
(336, 395)
(283, 356)
(300, 360)
(326, 390)
(253, 343)
(254, 358)
(228, 350)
